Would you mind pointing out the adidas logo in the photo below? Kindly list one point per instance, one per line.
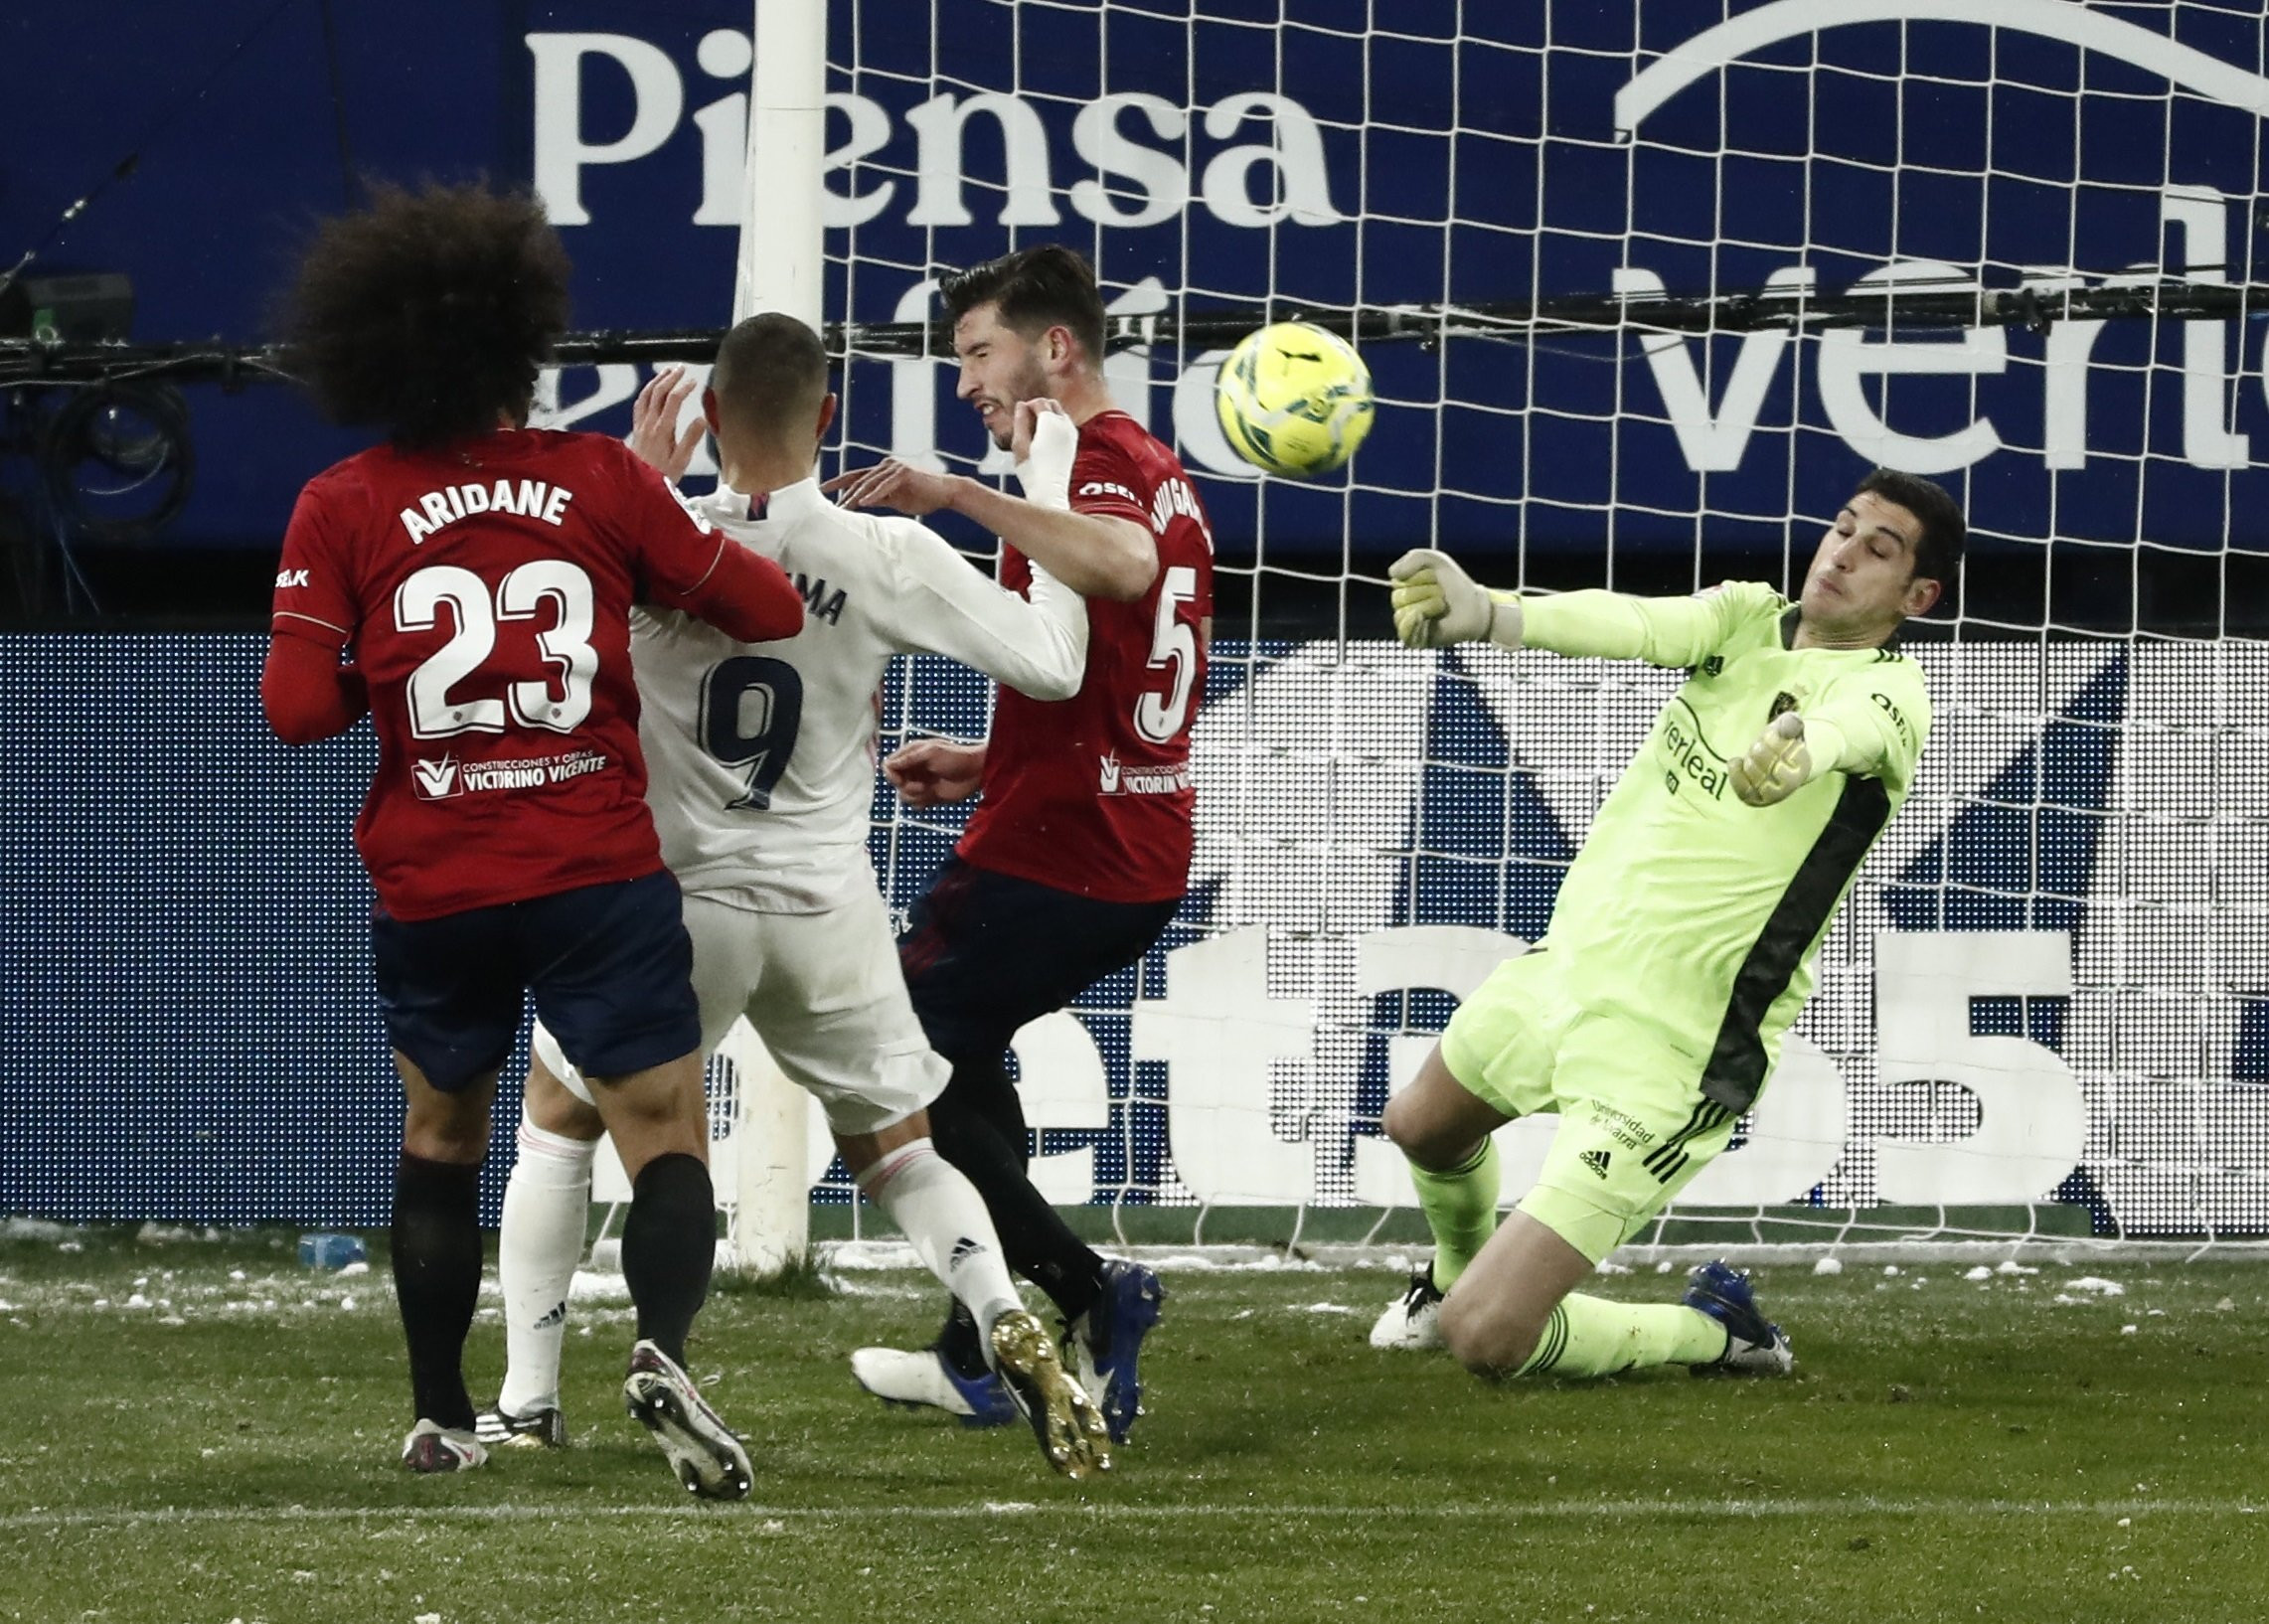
(1597, 1160)
(558, 1316)
(963, 1251)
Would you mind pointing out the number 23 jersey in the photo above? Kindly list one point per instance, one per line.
(1092, 794)
(485, 589)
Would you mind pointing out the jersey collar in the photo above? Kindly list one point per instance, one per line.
(1793, 617)
(790, 502)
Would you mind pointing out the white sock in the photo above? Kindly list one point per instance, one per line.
(939, 1209)
(547, 1203)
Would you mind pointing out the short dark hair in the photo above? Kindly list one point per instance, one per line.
(768, 365)
(1938, 550)
(1036, 289)
(428, 313)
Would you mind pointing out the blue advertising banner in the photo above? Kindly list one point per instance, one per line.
(1296, 156)
(2044, 992)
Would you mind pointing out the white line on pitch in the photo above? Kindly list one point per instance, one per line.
(1555, 1510)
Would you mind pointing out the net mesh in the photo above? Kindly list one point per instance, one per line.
(1374, 824)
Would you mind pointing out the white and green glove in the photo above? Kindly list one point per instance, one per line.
(1777, 765)
(1436, 603)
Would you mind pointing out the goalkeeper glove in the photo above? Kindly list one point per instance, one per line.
(1777, 765)
(1437, 603)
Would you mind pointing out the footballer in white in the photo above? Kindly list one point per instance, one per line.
(760, 774)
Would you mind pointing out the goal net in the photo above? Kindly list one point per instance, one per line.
(1645, 290)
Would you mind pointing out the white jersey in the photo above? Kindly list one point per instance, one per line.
(760, 756)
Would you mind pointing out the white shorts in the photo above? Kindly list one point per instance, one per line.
(824, 992)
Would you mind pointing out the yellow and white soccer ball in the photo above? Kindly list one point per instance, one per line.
(1294, 400)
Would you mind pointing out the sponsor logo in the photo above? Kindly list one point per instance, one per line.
(440, 780)
(1715, 437)
(1114, 777)
(1783, 702)
(1597, 1160)
(964, 1249)
(291, 577)
(1243, 182)
(436, 780)
(1692, 761)
(1713, 666)
(1105, 487)
(1899, 717)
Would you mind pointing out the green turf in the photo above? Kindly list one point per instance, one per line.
(1948, 1449)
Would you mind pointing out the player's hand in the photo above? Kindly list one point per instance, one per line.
(893, 484)
(1045, 442)
(1437, 603)
(1026, 417)
(654, 415)
(935, 771)
(1777, 765)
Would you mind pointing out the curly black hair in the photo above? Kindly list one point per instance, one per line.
(428, 313)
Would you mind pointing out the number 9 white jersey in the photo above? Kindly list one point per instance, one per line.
(760, 757)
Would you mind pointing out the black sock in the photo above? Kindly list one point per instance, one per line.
(668, 1245)
(437, 1280)
(958, 1343)
(1034, 1239)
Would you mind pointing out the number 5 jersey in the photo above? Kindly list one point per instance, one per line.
(1092, 794)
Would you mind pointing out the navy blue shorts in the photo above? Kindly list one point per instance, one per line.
(610, 968)
(984, 954)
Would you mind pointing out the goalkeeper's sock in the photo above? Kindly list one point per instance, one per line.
(669, 1246)
(939, 1210)
(1590, 1336)
(547, 1202)
(1461, 1208)
(436, 1245)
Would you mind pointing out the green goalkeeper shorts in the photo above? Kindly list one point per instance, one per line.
(1634, 1127)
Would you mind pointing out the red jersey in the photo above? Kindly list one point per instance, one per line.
(485, 589)
(1092, 794)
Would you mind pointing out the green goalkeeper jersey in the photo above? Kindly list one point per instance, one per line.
(1687, 909)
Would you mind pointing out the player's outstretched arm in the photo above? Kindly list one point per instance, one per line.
(1437, 603)
(1036, 646)
(1095, 554)
(306, 693)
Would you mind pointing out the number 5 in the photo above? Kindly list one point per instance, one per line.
(1158, 717)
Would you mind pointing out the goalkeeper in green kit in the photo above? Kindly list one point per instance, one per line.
(1681, 946)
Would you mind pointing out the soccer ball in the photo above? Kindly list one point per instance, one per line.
(1294, 400)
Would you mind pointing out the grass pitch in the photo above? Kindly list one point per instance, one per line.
(205, 1431)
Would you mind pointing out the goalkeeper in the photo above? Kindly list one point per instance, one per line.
(1681, 947)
